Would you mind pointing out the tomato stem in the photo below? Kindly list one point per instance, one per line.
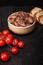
(10, 46)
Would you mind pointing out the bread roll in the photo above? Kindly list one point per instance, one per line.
(41, 20)
(38, 14)
(35, 10)
(31, 14)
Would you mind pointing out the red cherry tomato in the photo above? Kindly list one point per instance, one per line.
(2, 36)
(15, 42)
(5, 32)
(14, 50)
(21, 44)
(10, 36)
(8, 40)
(2, 42)
(5, 56)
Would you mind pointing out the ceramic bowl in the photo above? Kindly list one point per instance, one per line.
(20, 30)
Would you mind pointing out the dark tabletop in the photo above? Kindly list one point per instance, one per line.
(31, 54)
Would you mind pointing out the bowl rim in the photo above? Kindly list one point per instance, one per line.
(19, 26)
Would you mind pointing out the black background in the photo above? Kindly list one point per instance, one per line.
(32, 52)
(21, 2)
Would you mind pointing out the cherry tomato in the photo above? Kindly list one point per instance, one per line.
(2, 42)
(15, 42)
(5, 32)
(8, 40)
(2, 36)
(5, 56)
(21, 44)
(14, 50)
(10, 36)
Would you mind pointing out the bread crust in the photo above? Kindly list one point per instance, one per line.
(35, 10)
(41, 21)
(38, 14)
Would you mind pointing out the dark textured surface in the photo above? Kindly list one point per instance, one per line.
(21, 2)
(31, 54)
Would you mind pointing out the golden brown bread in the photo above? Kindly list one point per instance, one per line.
(41, 20)
(38, 14)
(35, 10)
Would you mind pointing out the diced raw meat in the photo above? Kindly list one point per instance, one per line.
(30, 20)
(16, 24)
(21, 18)
(12, 18)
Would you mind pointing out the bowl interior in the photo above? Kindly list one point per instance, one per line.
(20, 26)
